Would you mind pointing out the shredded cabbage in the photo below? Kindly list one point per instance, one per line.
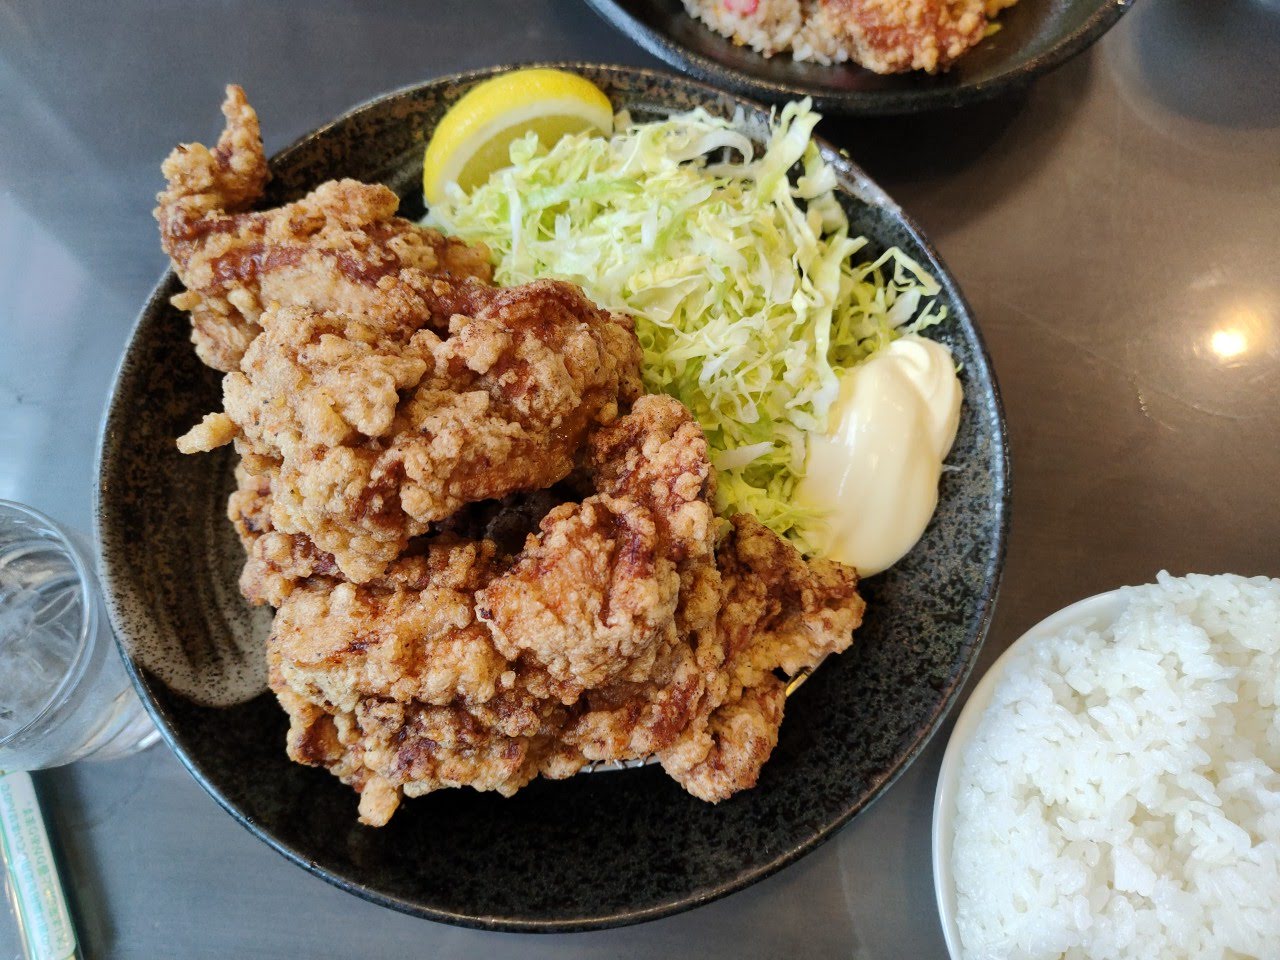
(738, 269)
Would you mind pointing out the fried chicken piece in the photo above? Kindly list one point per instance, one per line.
(315, 394)
(340, 248)
(656, 460)
(370, 434)
(778, 613)
(228, 179)
(657, 457)
(339, 643)
(593, 600)
(637, 719)
(387, 750)
(277, 562)
(398, 690)
(894, 36)
(516, 390)
(609, 608)
(724, 753)
(416, 749)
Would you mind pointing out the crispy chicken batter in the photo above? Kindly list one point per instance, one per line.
(594, 599)
(778, 614)
(410, 684)
(369, 434)
(275, 561)
(611, 636)
(514, 394)
(346, 643)
(892, 36)
(339, 248)
(607, 599)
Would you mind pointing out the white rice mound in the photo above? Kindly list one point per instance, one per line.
(1121, 797)
(774, 26)
(766, 26)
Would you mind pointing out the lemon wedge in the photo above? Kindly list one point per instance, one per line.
(472, 140)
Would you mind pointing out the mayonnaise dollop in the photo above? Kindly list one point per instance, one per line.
(875, 472)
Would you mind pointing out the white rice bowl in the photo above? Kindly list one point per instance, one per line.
(1121, 795)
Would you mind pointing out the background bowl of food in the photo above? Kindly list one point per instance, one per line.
(864, 56)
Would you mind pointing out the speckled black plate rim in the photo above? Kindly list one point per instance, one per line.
(861, 103)
(113, 419)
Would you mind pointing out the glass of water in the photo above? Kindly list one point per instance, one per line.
(64, 694)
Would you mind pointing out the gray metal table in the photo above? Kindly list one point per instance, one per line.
(1104, 226)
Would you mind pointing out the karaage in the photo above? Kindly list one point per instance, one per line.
(340, 248)
(492, 557)
(618, 633)
(369, 433)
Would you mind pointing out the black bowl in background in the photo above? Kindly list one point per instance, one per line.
(599, 849)
(1034, 37)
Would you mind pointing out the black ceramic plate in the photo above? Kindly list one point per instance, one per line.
(1035, 37)
(598, 849)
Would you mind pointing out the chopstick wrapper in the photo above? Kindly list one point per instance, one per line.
(36, 891)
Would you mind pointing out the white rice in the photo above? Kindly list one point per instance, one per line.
(1121, 797)
(775, 26)
(767, 26)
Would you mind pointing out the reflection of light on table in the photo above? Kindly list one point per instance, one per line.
(1241, 329)
(1228, 342)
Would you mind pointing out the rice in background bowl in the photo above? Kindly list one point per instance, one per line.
(767, 26)
(1121, 794)
(771, 27)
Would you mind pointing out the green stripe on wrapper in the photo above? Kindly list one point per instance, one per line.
(36, 891)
